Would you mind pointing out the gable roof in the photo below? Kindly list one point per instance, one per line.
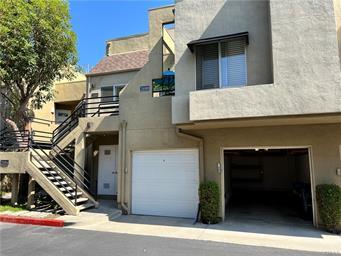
(121, 62)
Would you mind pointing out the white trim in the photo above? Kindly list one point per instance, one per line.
(311, 167)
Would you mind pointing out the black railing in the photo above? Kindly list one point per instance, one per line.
(164, 86)
(42, 138)
(60, 157)
(101, 106)
(71, 168)
(41, 157)
(42, 121)
(14, 140)
(68, 124)
(87, 107)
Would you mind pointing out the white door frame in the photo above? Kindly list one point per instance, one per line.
(114, 169)
(311, 167)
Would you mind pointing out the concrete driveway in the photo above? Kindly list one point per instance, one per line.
(244, 232)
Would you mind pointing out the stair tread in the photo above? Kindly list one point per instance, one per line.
(80, 200)
(56, 177)
(73, 194)
(66, 188)
(60, 183)
(50, 172)
(86, 206)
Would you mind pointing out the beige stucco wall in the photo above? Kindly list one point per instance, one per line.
(305, 58)
(17, 162)
(72, 91)
(149, 125)
(94, 83)
(65, 92)
(128, 44)
(337, 12)
(324, 141)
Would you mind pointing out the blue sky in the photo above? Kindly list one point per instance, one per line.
(96, 21)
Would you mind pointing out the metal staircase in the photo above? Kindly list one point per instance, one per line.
(52, 165)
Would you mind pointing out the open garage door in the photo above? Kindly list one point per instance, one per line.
(165, 183)
(268, 185)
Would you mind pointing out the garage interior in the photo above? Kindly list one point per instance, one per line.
(268, 186)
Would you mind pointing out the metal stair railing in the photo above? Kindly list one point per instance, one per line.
(14, 140)
(68, 124)
(108, 105)
(39, 157)
(60, 158)
(78, 174)
(87, 107)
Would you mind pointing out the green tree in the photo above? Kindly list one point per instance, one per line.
(37, 47)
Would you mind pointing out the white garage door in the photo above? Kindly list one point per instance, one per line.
(165, 183)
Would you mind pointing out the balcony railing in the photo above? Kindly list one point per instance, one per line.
(164, 86)
(88, 107)
(101, 106)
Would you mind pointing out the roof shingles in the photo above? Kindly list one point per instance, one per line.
(121, 62)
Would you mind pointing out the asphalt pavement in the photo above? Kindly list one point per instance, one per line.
(28, 240)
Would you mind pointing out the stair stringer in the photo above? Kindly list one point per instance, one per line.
(51, 189)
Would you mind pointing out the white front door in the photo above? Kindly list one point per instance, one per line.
(107, 171)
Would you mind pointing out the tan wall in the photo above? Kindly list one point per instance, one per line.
(148, 119)
(96, 82)
(17, 162)
(337, 12)
(72, 91)
(302, 71)
(65, 92)
(128, 44)
(324, 140)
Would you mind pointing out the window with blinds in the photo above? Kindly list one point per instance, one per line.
(221, 65)
(207, 66)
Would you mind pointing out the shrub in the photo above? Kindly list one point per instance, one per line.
(209, 202)
(328, 198)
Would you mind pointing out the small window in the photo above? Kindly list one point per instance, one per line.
(106, 93)
(107, 152)
(221, 65)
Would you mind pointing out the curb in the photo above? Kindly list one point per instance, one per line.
(31, 221)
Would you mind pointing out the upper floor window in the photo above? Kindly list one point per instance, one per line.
(111, 91)
(221, 64)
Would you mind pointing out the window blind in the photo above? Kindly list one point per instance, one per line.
(207, 66)
(233, 63)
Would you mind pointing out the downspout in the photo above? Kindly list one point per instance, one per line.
(119, 164)
(180, 133)
(124, 166)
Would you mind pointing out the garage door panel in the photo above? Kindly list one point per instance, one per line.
(180, 209)
(181, 194)
(165, 183)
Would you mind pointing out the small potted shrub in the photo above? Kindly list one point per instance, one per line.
(209, 202)
(328, 198)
